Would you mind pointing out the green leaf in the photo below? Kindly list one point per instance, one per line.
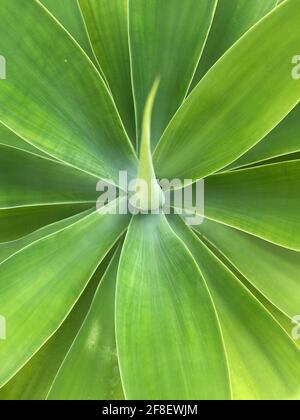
(17, 222)
(263, 360)
(283, 140)
(34, 380)
(107, 23)
(9, 248)
(68, 13)
(9, 138)
(227, 113)
(284, 320)
(232, 19)
(273, 270)
(166, 41)
(40, 284)
(27, 180)
(68, 111)
(263, 201)
(150, 198)
(90, 370)
(168, 337)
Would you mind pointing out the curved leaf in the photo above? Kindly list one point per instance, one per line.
(166, 351)
(232, 19)
(227, 113)
(67, 12)
(34, 380)
(265, 363)
(9, 248)
(9, 138)
(283, 140)
(273, 270)
(35, 296)
(27, 180)
(263, 201)
(166, 41)
(68, 111)
(90, 370)
(263, 360)
(284, 320)
(17, 222)
(107, 23)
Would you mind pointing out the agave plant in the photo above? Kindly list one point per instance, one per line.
(111, 306)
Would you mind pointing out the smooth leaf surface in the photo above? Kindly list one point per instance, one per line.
(168, 338)
(273, 270)
(279, 159)
(17, 222)
(9, 248)
(8, 138)
(90, 370)
(175, 315)
(68, 111)
(265, 363)
(283, 140)
(263, 201)
(107, 23)
(232, 19)
(166, 41)
(263, 360)
(68, 13)
(227, 113)
(27, 180)
(34, 380)
(284, 320)
(40, 284)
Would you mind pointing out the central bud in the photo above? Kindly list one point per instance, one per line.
(148, 194)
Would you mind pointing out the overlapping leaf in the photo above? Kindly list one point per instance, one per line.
(17, 222)
(165, 322)
(69, 15)
(263, 201)
(8, 138)
(107, 23)
(40, 284)
(227, 113)
(166, 41)
(232, 19)
(283, 140)
(274, 270)
(28, 180)
(68, 111)
(263, 360)
(9, 248)
(176, 338)
(90, 370)
(34, 380)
